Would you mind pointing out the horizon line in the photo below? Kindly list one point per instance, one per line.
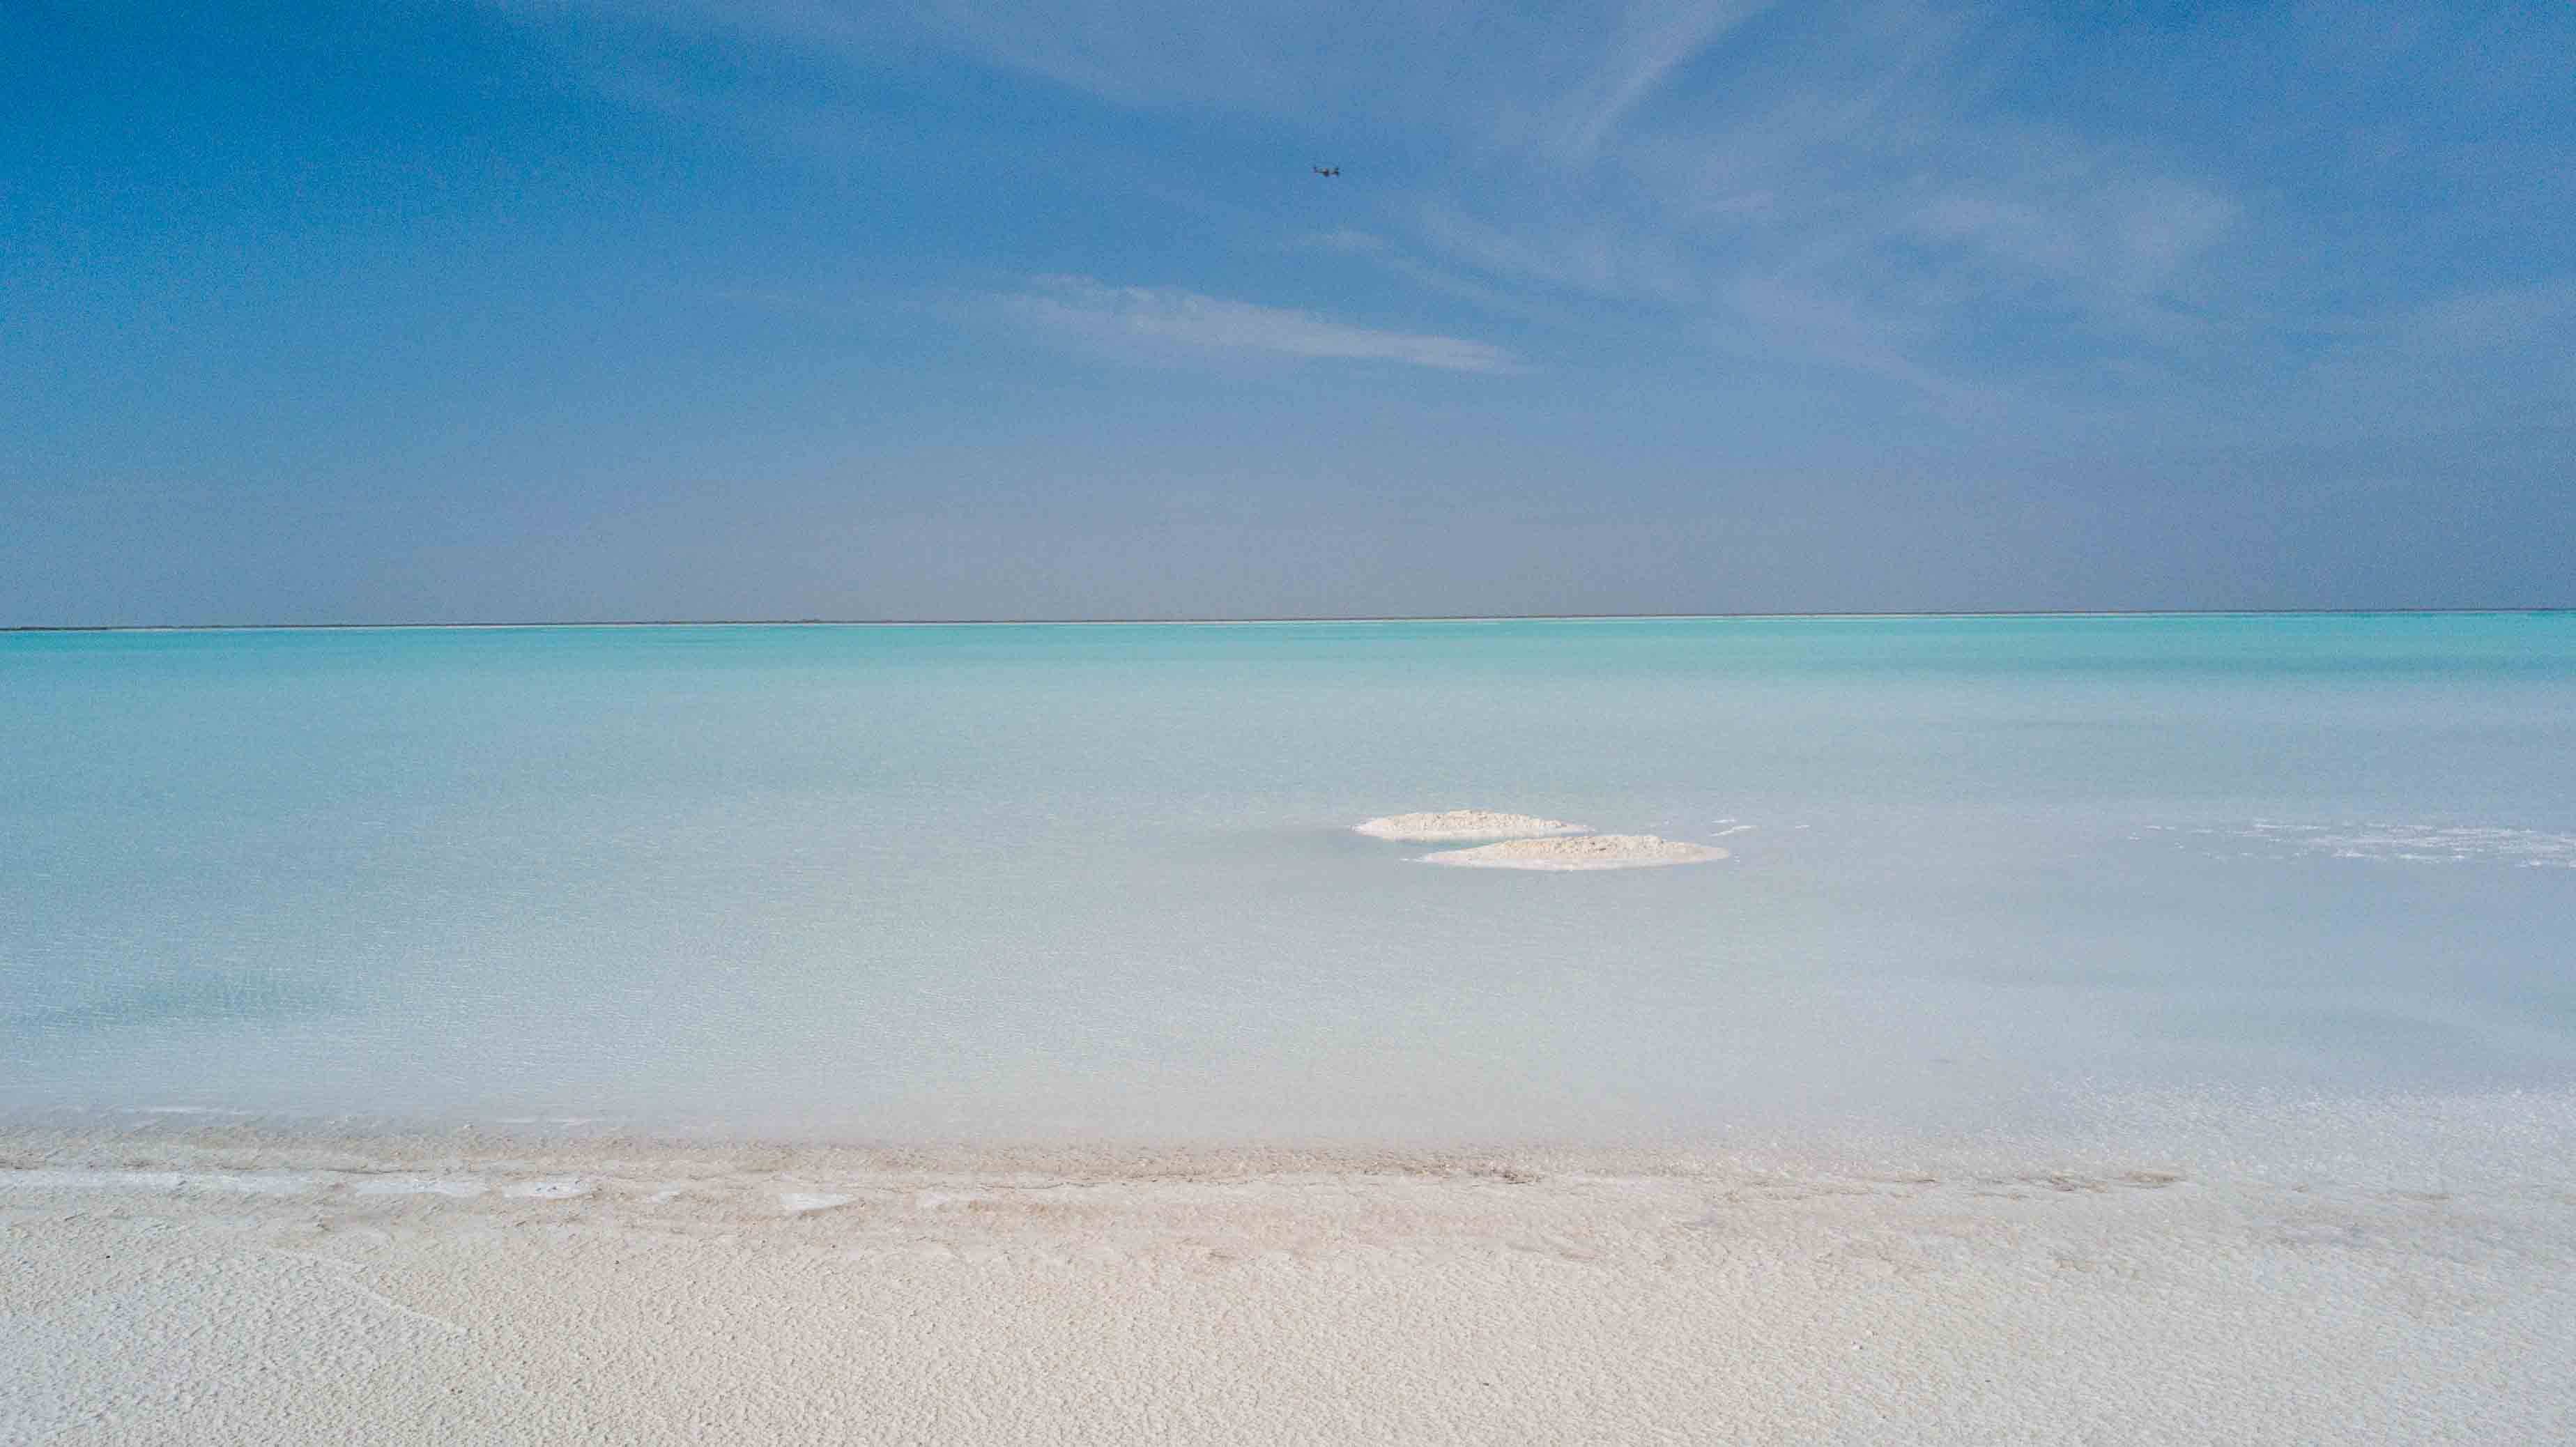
(1887, 613)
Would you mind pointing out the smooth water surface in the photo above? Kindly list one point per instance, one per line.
(1012, 882)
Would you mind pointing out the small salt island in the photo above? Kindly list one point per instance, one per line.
(1455, 824)
(1592, 851)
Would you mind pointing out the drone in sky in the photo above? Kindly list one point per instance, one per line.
(1326, 170)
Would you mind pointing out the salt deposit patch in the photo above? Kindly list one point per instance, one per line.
(1452, 824)
(246, 1183)
(417, 1186)
(1591, 851)
(2395, 843)
(798, 1203)
(549, 1190)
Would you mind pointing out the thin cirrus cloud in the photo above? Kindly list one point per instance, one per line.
(1967, 205)
(1671, 157)
(1645, 47)
(1154, 322)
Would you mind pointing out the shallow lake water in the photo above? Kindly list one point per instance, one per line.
(1099, 882)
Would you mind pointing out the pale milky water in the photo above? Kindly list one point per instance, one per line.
(1099, 881)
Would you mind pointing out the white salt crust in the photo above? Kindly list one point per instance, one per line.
(410, 1186)
(1591, 851)
(1454, 824)
(170, 1290)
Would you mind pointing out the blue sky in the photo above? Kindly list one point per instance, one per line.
(788, 308)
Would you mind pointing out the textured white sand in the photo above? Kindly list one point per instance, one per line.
(1451, 824)
(1591, 851)
(222, 1289)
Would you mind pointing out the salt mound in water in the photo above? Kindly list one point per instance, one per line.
(1465, 824)
(1593, 851)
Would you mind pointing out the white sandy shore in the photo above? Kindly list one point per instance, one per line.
(213, 1287)
(1591, 851)
(1455, 824)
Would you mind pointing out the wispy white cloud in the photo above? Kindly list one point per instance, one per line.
(2492, 355)
(1583, 257)
(1347, 241)
(2113, 241)
(1648, 44)
(1865, 186)
(1778, 317)
(1405, 262)
(2494, 318)
(1150, 320)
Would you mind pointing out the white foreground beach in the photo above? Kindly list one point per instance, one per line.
(205, 1287)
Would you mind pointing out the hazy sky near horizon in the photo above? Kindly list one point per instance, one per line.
(788, 308)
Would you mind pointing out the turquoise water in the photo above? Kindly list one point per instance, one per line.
(1014, 882)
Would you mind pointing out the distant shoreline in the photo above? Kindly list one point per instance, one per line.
(2505, 610)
